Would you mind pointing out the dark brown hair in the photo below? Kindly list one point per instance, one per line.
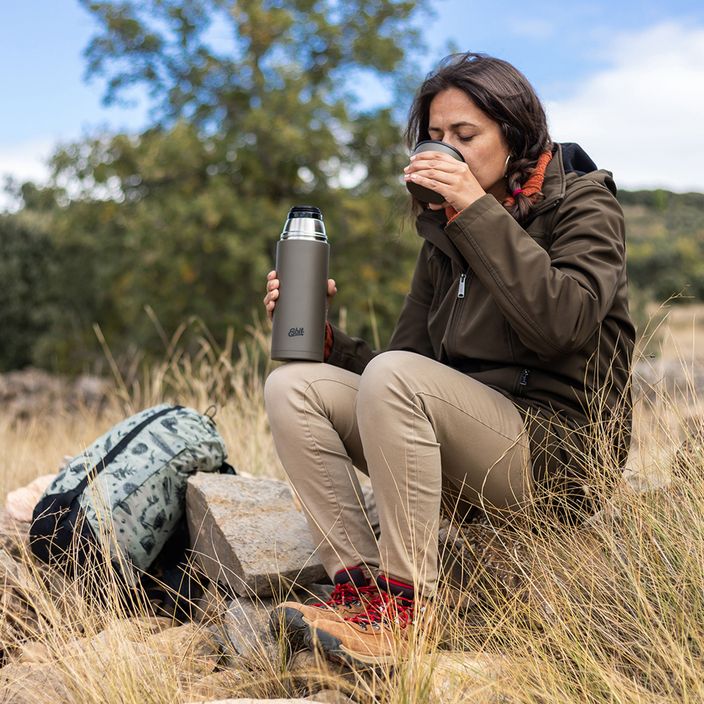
(502, 92)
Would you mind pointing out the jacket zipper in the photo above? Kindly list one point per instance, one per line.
(461, 287)
(461, 293)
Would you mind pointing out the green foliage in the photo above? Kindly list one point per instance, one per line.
(665, 244)
(25, 262)
(257, 106)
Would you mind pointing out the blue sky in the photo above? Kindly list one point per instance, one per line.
(624, 78)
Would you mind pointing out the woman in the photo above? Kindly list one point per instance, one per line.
(506, 379)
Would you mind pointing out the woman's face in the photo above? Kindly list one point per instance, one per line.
(456, 120)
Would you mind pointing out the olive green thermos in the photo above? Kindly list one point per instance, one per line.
(302, 256)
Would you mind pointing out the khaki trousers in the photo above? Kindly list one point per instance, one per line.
(418, 428)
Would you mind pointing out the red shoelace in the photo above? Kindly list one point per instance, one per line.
(346, 594)
(382, 606)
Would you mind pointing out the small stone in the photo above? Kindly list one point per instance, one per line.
(217, 684)
(458, 675)
(304, 660)
(34, 652)
(14, 535)
(246, 623)
(314, 670)
(191, 644)
(331, 696)
(20, 503)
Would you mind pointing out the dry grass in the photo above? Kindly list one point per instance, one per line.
(612, 612)
(227, 381)
(674, 332)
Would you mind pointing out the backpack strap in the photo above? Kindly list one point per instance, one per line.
(115, 451)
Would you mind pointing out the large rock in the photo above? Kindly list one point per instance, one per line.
(671, 378)
(29, 684)
(248, 535)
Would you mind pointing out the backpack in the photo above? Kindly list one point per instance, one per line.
(128, 486)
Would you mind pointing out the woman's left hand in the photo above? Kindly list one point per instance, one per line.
(445, 175)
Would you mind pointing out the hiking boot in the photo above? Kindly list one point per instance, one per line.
(377, 637)
(291, 618)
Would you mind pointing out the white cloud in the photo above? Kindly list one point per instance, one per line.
(643, 116)
(24, 161)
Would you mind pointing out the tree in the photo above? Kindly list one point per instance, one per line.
(272, 81)
(255, 109)
(25, 272)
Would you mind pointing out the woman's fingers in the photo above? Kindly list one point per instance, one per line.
(447, 179)
(452, 179)
(436, 168)
(272, 292)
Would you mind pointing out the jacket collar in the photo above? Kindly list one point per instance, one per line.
(430, 225)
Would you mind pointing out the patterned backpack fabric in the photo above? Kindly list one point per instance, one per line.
(127, 489)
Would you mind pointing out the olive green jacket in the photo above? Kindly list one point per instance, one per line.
(539, 312)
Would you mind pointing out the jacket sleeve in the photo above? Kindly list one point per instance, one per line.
(410, 333)
(555, 300)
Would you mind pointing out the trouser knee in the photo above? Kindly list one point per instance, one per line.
(386, 379)
(281, 388)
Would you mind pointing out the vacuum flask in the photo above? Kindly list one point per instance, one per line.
(302, 256)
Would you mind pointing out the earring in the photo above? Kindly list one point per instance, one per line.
(506, 165)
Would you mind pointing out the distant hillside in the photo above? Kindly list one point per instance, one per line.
(665, 235)
(656, 213)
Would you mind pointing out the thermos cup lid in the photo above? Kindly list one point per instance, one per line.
(425, 195)
(305, 211)
(304, 222)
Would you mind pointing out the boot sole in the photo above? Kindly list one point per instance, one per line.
(319, 640)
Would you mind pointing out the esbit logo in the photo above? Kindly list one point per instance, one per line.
(295, 332)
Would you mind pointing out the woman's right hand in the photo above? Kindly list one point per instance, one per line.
(272, 292)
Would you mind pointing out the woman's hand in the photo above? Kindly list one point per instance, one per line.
(445, 175)
(272, 293)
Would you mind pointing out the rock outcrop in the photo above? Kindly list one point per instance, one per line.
(248, 535)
